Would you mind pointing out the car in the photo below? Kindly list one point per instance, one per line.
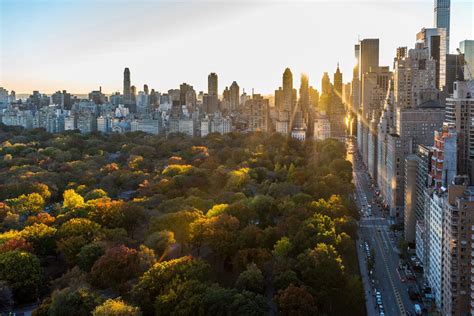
(417, 309)
(379, 301)
(378, 295)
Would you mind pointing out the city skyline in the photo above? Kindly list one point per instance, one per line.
(163, 53)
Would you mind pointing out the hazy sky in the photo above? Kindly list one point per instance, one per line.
(80, 44)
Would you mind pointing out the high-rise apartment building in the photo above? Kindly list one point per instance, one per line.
(384, 128)
(413, 74)
(460, 113)
(258, 113)
(411, 166)
(442, 174)
(434, 39)
(457, 253)
(187, 96)
(374, 90)
(423, 155)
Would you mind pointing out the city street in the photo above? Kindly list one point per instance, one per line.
(374, 230)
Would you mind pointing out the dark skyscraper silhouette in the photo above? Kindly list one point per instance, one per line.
(126, 86)
(212, 84)
(338, 81)
(288, 90)
(325, 84)
(234, 96)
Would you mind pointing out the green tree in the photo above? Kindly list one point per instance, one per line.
(220, 233)
(75, 234)
(116, 307)
(29, 204)
(248, 303)
(217, 300)
(155, 281)
(322, 270)
(42, 237)
(178, 222)
(75, 302)
(23, 274)
(79, 227)
(251, 279)
(160, 242)
(282, 248)
(89, 254)
(72, 200)
(217, 210)
(283, 279)
(181, 298)
(118, 265)
(296, 300)
(95, 194)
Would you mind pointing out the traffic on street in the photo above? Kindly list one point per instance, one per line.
(387, 288)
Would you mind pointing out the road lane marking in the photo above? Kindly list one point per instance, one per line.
(398, 298)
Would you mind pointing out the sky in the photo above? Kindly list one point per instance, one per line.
(79, 45)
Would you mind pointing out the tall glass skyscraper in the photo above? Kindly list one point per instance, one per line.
(442, 17)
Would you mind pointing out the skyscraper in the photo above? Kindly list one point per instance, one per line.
(145, 89)
(368, 55)
(325, 84)
(234, 96)
(304, 93)
(288, 90)
(212, 88)
(442, 17)
(126, 86)
(133, 94)
(355, 84)
(285, 101)
(368, 58)
(338, 82)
